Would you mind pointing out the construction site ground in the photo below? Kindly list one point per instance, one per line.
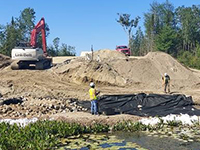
(55, 92)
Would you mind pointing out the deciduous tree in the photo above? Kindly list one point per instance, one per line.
(128, 24)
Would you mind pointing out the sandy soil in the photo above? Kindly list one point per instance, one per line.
(4, 61)
(68, 79)
(62, 59)
(87, 119)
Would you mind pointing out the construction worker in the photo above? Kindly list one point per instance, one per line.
(166, 83)
(93, 97)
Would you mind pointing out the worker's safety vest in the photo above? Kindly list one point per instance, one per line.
(166, 79)
(92, 92)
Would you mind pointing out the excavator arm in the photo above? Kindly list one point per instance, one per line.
(40, 27)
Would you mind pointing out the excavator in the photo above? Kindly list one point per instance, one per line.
(28, 55)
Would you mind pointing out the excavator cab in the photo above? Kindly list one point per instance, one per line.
(23, 44)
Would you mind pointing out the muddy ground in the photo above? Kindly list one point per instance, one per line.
(54, 93)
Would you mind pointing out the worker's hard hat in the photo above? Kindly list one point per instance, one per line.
(92, 84)
(165, 74)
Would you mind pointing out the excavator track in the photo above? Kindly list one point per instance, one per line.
(39, 65)
(43, 64)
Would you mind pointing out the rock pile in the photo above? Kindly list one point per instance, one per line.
(38, 107)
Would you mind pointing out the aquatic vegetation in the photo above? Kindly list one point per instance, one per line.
(99, 141)
(42, 134)
(129, 126)
(173, 123)
(52, 134)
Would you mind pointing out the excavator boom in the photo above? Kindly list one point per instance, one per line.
(39, 27)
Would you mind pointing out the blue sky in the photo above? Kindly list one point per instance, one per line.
(82, 23)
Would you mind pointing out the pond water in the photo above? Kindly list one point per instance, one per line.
(128, 141)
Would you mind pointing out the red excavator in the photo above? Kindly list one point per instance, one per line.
(28, 54)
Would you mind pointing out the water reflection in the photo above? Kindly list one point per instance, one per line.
(106, 145)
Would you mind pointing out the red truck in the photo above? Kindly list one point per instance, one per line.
(124, 49)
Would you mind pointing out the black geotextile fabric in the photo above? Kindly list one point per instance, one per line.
(152, 104)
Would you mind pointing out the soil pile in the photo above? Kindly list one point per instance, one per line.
(146, 72)
(181, 76)
(114, 68)
(83, 70)
(4, 61)
(106, 54)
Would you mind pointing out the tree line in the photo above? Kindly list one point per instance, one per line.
(175, 31)
(19, 30)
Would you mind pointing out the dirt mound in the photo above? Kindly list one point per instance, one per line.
(114, 68)
(4, 61)
(181, 76)
(81, 70)
(108, 54)
(148, 70)
(84, 72)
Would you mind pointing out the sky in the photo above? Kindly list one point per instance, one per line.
(82, 23)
